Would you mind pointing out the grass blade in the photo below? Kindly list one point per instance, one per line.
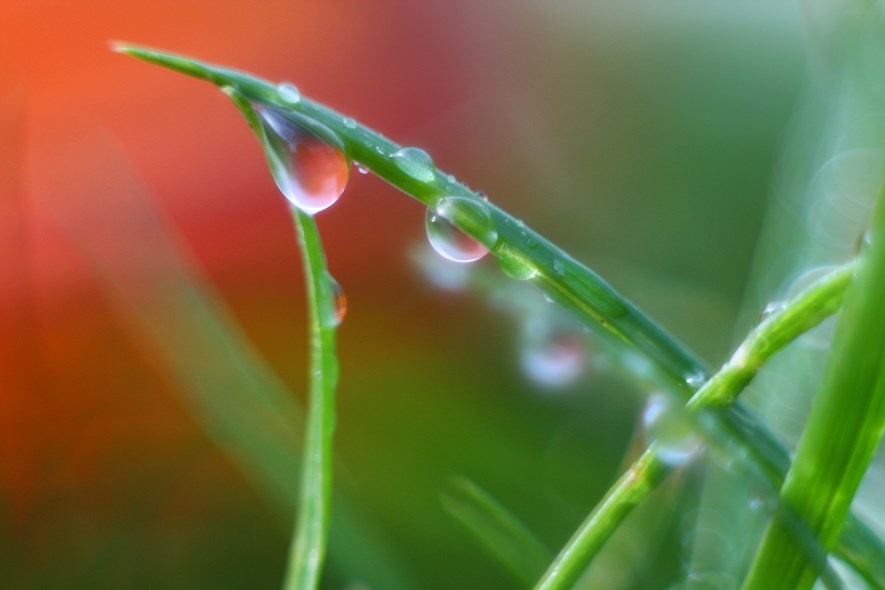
(565, 280)
(496, 529)
(842, 432)
(309, 542)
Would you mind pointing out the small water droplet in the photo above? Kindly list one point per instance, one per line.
(451, 242)
(416, 163)
(483, 196)
(695, 380)
(340, 301)
(551, 356)
(515, 264)
(309, 171)
(361, 168)
(288, 93)
(450, 178)
(349, 123)
(863, 240)
(670, 428)
(769, 310)
(558, 267)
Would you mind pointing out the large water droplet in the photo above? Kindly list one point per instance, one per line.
(288, 93)
(667, 425)
(416, 163)
(515, 264)
(551, 356)
(309, 171)
(451, 242)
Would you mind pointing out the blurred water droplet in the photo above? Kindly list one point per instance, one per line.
(309, 171)
(483, 196)
(416, 163)
(667, 425)
(558, 268)
(361, 169)
(515, 264)
(451, 242)
(551, 356)
(349, 123)
(769, 310)
(288, 93)
(695, 380)
(450, 178)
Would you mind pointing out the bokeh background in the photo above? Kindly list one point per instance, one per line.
(149, 281)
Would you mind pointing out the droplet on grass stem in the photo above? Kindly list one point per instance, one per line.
(288, 93)
(308, 169)
(452, 243)
(416, 163)
(340, 301)
(666, 424)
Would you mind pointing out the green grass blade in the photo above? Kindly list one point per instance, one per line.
(309, 542)
(811, 307)
(842, 432)
(568, 282)
(497, 529)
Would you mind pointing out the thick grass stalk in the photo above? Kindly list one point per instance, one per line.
(844, 428)
(807, 310)
(571, 284)
(308, 549)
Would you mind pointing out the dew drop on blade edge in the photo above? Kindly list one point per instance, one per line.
(416, 163)
(288, 93)
(670, 428)
(450, 242)
(340, 300)
(309, 171)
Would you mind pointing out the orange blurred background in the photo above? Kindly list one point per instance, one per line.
(106, 478)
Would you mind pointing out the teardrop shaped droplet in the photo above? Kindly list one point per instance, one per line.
(288, 93)
(309, 171)
(515, 264)
(416, 163)
(340, 301)
(452, 243)
(551, 356)
(670, 428)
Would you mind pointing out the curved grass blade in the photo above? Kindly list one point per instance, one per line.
(497, 529)
(843, 431)
(571, 284)
(309, 542)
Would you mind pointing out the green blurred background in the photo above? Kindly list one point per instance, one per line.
(149, 274)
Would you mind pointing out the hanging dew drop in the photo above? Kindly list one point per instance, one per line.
(515, 264)
(361, 168)
(670, 428)
(452, 243)
(309, 171)
(416, 163)
(288, 93)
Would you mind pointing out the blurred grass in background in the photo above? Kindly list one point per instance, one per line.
(643, 137)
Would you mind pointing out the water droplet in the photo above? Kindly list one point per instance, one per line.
(288, 93)
(551, 356)
(558, 268)
(695, 380)
(450, 178)
(340, 301)
(863, 240)
(484, 196)
(769, 310)
(670, 428)
(515, 264)
(416, 163)
(451, 242)
(349, 123)
(309, 171)
(361, 168)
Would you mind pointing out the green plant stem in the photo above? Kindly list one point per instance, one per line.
(843, 430)
(312, 522)
(811, 307)
(309, 542)
(571, 284)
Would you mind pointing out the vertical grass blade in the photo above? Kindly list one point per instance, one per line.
(497, 529)
(845, 426)
(308, 549)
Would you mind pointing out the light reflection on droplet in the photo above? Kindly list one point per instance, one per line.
(416, 163)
